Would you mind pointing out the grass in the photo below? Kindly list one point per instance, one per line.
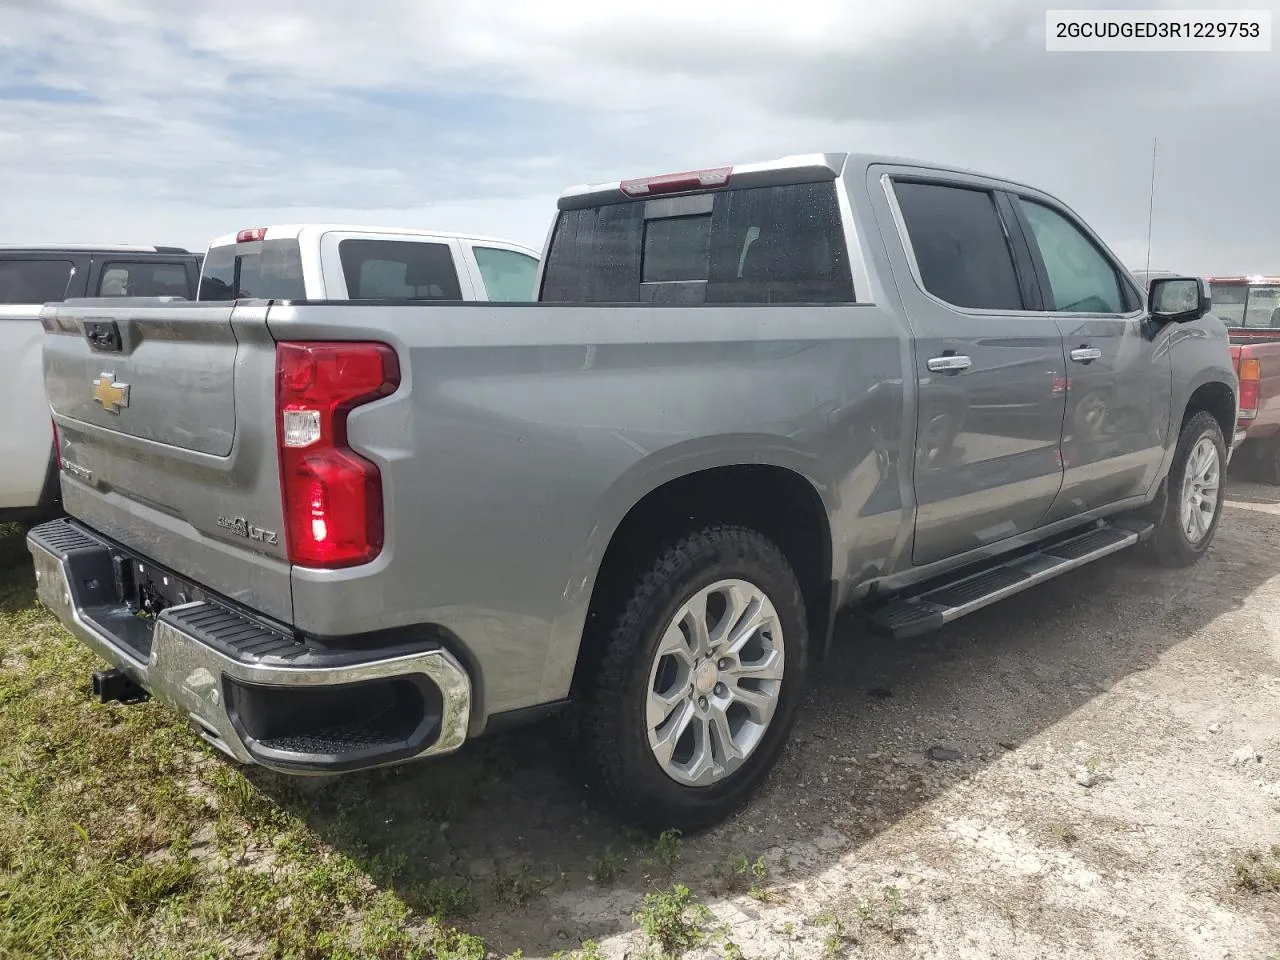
(121, 835)
(744, 875)
(672, 920)
(884, 914)
(607, 867)
(1066, 834)
(590, 950)
(1258, 872)
(666, 849)
(519, 887)
(835, 935)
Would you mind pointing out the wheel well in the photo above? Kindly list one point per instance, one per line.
(1217, 400)
(775, 501)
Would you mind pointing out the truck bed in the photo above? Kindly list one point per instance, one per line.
(507, 455)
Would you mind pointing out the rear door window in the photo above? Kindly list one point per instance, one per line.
(398, 270)
(508, 275)
(260, 269)
(123, 279)
(780, 244)
(961, 249)
(35, 281)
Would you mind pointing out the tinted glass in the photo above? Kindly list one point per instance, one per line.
(507, 275)
(960, 245)
(34, 281)
(218, 274)
(261, 269)
(143, 280)
(676, 248)
(781, 244)
(595, 255)
(1081, 279)
(398, 270)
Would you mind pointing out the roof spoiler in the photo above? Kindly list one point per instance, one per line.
(800, 168)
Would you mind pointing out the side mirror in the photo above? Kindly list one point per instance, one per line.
(1178, 299)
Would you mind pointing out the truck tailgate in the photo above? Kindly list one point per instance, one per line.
(165, 413)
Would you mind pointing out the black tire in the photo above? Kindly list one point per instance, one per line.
(613, 697)
(1170, 545)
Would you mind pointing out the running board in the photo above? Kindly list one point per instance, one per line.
(913, 615)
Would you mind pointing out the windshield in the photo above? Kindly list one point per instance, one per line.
(1247, 305)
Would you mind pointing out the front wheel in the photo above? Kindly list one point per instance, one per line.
(698, 679)
(1195, 494)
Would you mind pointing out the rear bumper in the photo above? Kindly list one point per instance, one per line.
(1237, 438)
(249, 687)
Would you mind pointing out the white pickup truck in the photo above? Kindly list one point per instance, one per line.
(299, 261)
(346, 262)
(30, 277)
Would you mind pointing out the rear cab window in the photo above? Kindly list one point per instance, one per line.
(398, 270)
(25, 280)
(120, 278)
(780, 244)
(269, 269)
(1239, 304)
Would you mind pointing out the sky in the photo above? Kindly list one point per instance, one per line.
(156, 122)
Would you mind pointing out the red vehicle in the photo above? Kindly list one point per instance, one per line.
(1250, 307)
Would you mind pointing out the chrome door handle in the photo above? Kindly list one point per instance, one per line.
(1085, 354)
(951, 363)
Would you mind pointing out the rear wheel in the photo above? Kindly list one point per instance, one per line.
(698, 679)
(1195, 494)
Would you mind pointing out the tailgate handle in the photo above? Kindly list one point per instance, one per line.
(103, 335)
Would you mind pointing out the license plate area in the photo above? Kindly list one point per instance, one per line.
(147, 590)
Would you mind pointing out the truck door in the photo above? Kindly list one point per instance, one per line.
(1119, 373)
(989, 363)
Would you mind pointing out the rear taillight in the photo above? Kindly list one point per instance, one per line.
(677, 182)
(332, 495)
(248, 236)
(1250, 385)
(57, 446)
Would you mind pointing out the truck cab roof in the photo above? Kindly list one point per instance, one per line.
(297, 231)
(88, 248)
(792, 168)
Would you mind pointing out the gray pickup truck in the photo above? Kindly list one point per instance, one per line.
(343, 535)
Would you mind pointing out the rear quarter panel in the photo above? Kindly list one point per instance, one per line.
(522, 434)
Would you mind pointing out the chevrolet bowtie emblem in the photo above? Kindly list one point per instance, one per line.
(111, 396)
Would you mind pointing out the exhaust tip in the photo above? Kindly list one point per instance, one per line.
(114, 686)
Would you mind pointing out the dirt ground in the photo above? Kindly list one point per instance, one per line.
(1089, 769)
(1091, 808)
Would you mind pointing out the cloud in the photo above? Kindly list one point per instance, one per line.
(116, 115)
